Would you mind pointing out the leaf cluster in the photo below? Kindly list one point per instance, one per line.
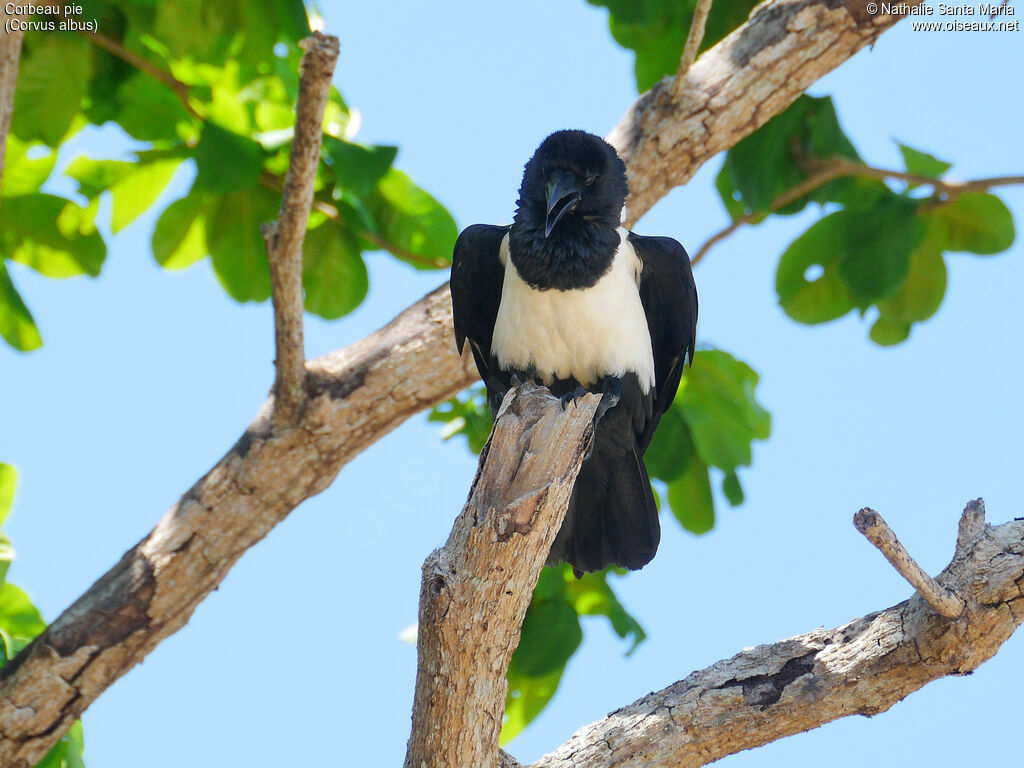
(209, 87)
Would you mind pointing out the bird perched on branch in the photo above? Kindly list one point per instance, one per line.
(568, 297)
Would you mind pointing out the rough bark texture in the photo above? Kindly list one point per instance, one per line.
(285, 236)
(734, 88)
(864, 667)
(10, 53)
(359, 394)
(476, 589)
(356, 396)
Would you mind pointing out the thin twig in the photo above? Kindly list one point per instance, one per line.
(836, 167)
(694, 38)
(181, 90)
(284, 237)
(878, 532)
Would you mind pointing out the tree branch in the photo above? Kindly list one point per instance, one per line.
(825, 171)
(10, 53)
(877, 531)
(694, 38)
(284, 237)
(180, 89)
(766, 693)
(476, 589)
(359, 394)
(736, 87)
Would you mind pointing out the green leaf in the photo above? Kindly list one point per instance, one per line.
(150, 112)
(874, 253)
(66, 753)
(717, 403)
(824, 297)
(138, 190)
(18, 617)
(466, 414)
(422, 232)
(979, 223)
(591, 595)
(238, 250)
(551, 634)
(888, 331)
(333, 273)
(52, 235)
(671, 449)
(6, 556)
(179, 239)
(727, 193)
(8, 483)
(526, 698)
(225, 161)
(97, 176)
(732, 489)
(16, 323)
(923, 164)
(52, 79)
(770, 161)
(689, 496)
(358, 167)
(917, 299)
(22, 175)
(657, 31)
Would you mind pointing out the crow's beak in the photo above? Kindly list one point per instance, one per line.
(563, 196)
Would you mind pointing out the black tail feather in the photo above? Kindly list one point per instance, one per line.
(612, 517)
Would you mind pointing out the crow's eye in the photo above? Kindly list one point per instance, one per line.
(590, 179)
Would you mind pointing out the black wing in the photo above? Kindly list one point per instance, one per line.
(669, 296)
(477, 276)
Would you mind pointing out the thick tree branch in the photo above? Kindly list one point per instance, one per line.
(765, 693)
(356, 396)
(476, 589)
(284, 237)
(734, 88)
(10, 53)
(360, 393)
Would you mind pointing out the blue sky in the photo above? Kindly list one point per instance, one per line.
(147, 377)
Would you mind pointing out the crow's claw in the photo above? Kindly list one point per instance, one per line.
(611, 394)
(572, 397)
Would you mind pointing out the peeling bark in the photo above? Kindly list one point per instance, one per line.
(476, 589)
(359, 394)
(734, 88)
(864, 667)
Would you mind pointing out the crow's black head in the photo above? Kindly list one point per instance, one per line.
(570, 205)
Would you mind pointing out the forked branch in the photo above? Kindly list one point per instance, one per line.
(284, 237)
(864, 667)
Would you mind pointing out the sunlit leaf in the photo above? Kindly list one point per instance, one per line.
(179, 239)
(16, 323)
(421, 231)
(978, 223)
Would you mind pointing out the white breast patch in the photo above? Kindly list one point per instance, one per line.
(584, 333)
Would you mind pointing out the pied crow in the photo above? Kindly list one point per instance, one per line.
(568, 297)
